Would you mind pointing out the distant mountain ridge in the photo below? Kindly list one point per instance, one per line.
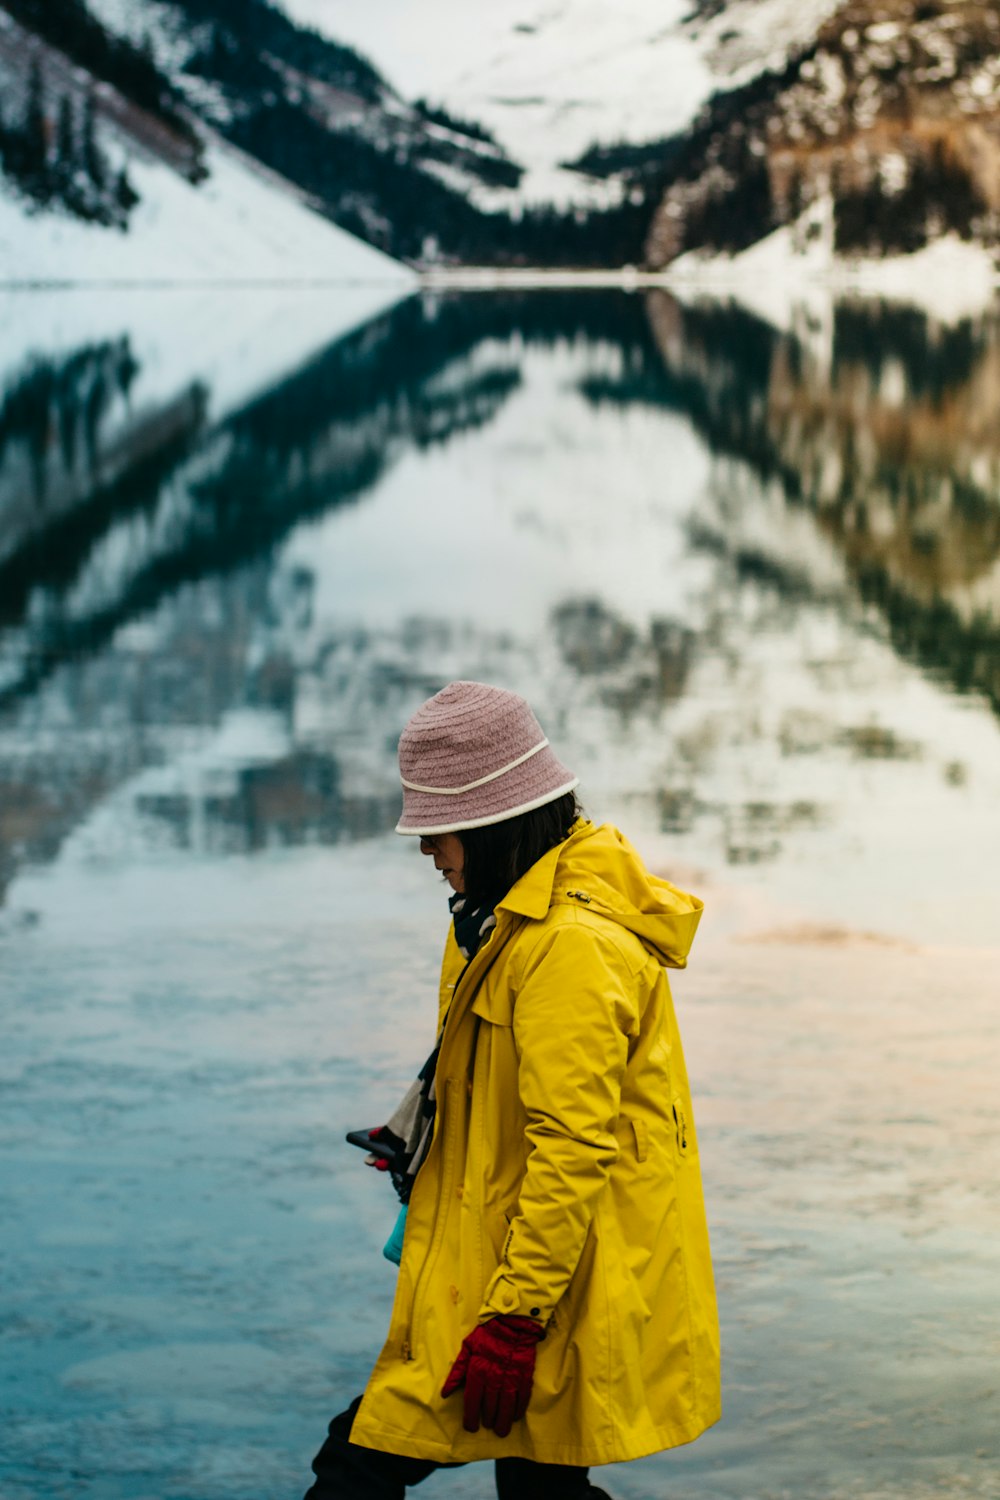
(552, 78)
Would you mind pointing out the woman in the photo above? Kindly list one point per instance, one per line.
(555, 1306)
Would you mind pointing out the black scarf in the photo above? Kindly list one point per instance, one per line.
(411, 1127)
(472, 926)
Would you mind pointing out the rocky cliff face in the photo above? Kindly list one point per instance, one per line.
(892, 115)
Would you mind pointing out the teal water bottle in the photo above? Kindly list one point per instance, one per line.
(393, 1247)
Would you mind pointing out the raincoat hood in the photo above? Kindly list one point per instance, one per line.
(598, 868)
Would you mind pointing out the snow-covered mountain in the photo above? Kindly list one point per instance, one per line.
(411, 178)
(104, 186)
(403, 175)
(870, 123)
(871, 126)
(552, 78)
(570, 134)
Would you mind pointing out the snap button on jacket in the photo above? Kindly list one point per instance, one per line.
(563, 1180)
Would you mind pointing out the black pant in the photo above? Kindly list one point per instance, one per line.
(344, 1471)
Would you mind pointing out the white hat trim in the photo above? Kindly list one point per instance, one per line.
(482, 822)
(456, 791)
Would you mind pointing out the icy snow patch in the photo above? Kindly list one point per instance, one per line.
(154, 23)
(949, 280)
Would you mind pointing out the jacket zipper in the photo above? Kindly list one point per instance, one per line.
(416, 1305)
(435, 1244)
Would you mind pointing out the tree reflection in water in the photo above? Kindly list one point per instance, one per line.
(890, 441)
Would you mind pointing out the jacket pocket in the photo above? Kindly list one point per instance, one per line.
(640, 1133)
(497, 1227)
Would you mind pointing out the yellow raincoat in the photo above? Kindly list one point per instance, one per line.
(562, 1182)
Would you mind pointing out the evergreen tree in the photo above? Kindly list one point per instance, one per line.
(31, 157)
(126, 196)
(94, 163)
(66, 151)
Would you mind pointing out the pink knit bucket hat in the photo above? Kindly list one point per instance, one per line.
(473, 755)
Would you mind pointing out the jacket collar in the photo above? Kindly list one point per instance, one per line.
(531, 896)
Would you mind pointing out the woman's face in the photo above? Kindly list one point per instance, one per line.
(449, 857)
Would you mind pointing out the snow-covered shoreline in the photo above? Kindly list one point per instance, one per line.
(949, 280)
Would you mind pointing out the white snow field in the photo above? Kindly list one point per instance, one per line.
(240, 225)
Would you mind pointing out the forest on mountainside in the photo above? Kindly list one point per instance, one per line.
(64, 163)
(71, 28)
(52, 119)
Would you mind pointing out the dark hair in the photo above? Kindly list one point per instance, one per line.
(497, 855)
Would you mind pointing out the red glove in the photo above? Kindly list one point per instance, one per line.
(378, 1162)
(496, 1364)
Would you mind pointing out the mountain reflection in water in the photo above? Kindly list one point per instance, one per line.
(750, 580)
(152, 585)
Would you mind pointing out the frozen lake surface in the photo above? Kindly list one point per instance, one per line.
(749, 578)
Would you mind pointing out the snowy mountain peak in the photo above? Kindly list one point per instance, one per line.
(552, 79)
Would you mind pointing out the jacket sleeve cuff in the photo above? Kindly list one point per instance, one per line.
(502, 1295)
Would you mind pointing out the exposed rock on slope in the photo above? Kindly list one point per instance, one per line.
(893, 113)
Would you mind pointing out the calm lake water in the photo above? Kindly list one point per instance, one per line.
(750, 578)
